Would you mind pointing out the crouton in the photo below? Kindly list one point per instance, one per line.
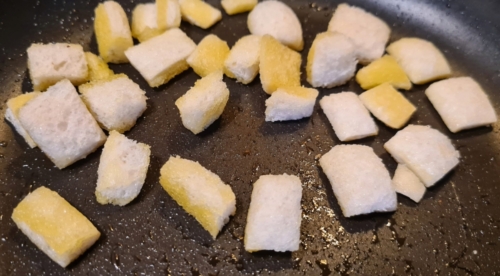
(407, 183)
(168, 14)
(199, 13)
(242, 63)
(12, 114)
(290, 103)
(209, 55)
(98, 69)
(237, 6)
(144, 23)
(383, 70)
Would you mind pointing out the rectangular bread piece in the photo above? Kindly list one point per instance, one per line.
(12, 113)
(242, 63)
(290, 103)
(408, 184)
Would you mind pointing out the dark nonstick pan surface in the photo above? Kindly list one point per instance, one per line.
(453, 231)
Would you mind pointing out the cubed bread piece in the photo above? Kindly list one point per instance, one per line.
(348, 116)
(290, 103)
(200, 192)
(388, 105)
(54, 226)
(331, 60)
(168, 14)
(359, 179)
(163, 57)
(98, 69)
(116, 103)
(238, 6)
(368, 32)
(144, 23)
(279, 65)
(420, 59)
(278, 20)
(461, 103)
(242, 63)
(112, 32)
(209, 55)
(203, 103)
(383, 70)
(122, 170)
(199, 13)
(50, 63)
(425, 151)
(12, 114)
(61, 125)
(274, 216)
(407, 183)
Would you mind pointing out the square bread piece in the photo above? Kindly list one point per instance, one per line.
(112, 32)
(54, 226)
(461, 103)
(60, 124)
(388, 105)
(122, 170)
(50, 63)
(242, 63)
(349, 117)
(408, 184)
(98, 69)
(199, 192)
(279, 65)
(331, 60)
(368, 32)
(420, 59)
(199, 13)
(203, 103)
(274, 216)
(383, 70)
(359, 179)
(116, 102)
(163, 57)
(209, 55)
(290, 103)
(12, 114)
(237, 6)
(168, 14)
(428, 153)
(144, 23)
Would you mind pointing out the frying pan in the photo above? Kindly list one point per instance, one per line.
(452, 231)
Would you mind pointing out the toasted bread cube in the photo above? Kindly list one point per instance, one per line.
(383, 70)
(200, 192)
(116, 103)
(12, 114)
(54, 226)
(331, 60)
(98, 69)
(274, 216)
(209, 55)
(61, 125)
(368, 32)
(407, 183)
(420, 60)
(237, 6)
(168, 14)
(279, 65)
(199, 13)
(461, 103)
(50, 63)
(122, 170)
(348, 116)
(278, 20)
(203, 103)
(428, 153)
(388, 105)
(144, 23)
(163, 57)
(359, 179)
(112, 32)
(290, 103)
(242, 63)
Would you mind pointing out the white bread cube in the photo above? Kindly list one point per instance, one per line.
(116, 103)
(420, 59)
(203, 103)
(98, 69)
(331, 60)
(54, 226)
(50, 63)
(61, 125)
(161, 58)
(408, 184)
(242, 63)
(209, 55)
(12, 114)
(359, 179)
(461, 103)
(112, 32)
(290, 103)
(278, 20)
(428, 153)
(348, 116)
(199, 13)
(168, 14)
(122, 170)
(200, 192)
(368, 32)
(144, 23)
(237, 6)
(274, 216)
